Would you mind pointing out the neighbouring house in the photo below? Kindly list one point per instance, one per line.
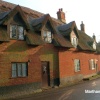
(36, 48)
(79, 62)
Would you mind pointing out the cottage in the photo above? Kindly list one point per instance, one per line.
(80, 61)
(40, 50)
(27, 48)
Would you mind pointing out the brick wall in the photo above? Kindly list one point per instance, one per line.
(19, 51)
(66, 63)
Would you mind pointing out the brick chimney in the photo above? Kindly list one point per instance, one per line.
(82, 27)
(61, 15)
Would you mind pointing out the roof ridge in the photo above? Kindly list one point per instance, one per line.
(27, 10)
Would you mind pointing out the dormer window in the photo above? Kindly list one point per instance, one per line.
(47, 36)
(74, 39)
(94, 45)
(16, 32)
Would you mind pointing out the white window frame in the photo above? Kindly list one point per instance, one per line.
(47, 36)
(77, 65)
(74, 39)
(94, 45)
(19, 70)
(92, 64)
(17, 32)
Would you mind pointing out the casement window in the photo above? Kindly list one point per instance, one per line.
(92, 64)
(47, 36)
(77, 65)
(19, 70)
(74, 39)
(16, 32)
(94, 45)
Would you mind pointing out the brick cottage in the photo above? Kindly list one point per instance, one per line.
(40, 50)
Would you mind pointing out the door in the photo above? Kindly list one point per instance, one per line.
(45, 74)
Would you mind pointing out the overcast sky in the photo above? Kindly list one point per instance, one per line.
(87, 11)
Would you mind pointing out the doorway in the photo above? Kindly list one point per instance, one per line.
(45, 74)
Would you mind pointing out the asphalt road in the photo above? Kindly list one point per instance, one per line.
(84, 91)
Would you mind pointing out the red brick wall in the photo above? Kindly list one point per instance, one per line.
(66, 62)
(19, 51)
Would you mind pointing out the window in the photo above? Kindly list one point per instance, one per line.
(16, 32)
(92, 64)
(47, 36)
(77, 65)
(74, 39)
(94, 45)
(19, 69)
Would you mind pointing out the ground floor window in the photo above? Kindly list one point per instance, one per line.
(93, 64)
(19, 69)
(77, 65)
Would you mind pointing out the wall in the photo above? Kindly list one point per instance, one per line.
(66, 63)
(19, 51)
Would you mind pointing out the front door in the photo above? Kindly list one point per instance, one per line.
(45, 74)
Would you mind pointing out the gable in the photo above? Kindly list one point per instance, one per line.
(18, 20)
(12, 13)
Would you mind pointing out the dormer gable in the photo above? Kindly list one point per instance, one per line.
(70, 32)
(16, 11)
(45, 26)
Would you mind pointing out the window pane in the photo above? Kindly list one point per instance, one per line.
(24, 69)
(92, 63)
(77, 65)
(74, 41)
(20, 32)
(14, 74)
(48, 34)
(19, 69)
(13, 31)
(49, 40)
(44, 34)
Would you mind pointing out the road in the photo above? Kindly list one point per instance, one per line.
(84, 91)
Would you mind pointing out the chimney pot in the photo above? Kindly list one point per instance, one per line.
(61, 9)
(94, 37)
(61, 15)
(82, 26)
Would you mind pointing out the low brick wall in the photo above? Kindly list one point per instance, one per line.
(71, 79)
(19, 90)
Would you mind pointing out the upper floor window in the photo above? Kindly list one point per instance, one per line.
(47, 36)
(74, 39)
(77, 65)
(94, 45)
(16, 32)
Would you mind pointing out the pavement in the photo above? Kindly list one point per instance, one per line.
(12, 92)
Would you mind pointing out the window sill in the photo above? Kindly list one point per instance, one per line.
(18, 77)
(17, 39)
(93, 69)
(78, 71)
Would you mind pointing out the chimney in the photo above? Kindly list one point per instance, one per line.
(94, 37)
(82, 27)
(61, 15)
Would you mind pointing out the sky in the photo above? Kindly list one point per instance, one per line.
(87, 11)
